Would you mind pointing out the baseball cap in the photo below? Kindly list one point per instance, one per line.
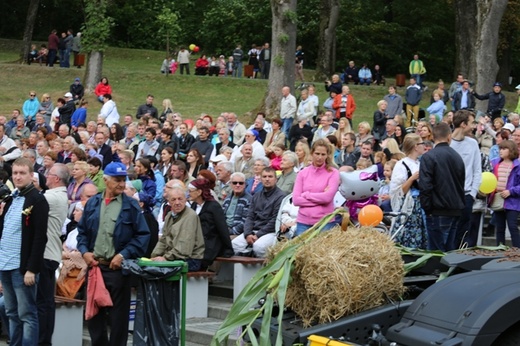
(219, 158)
(68, 95)
(518, 87)
(509, 127)
(498, 84)
(115, 169)
(77, 79)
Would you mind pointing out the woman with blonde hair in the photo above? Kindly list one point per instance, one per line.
(363, 134)
(80, 172)
(303, 152)
(393, 148)
(404, 194)
(167, 109)
(343, 127)
(315, 188)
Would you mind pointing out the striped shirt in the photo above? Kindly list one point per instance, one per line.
(504, 169)
(11, 241)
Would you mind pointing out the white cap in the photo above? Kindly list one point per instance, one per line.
(509, 127)
(518, 87)
(219, 158)
(68, 95)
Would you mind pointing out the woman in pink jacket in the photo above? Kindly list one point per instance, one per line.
(315, 188)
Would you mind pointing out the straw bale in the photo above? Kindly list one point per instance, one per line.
(342, 273)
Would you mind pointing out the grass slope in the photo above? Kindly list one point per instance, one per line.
(135, 73)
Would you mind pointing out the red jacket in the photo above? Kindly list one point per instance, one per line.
(201, 62)
(350, 108)
(102, 89)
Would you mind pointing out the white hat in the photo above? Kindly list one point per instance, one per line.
(518, 87)
(219, 158)
(509, 127)
(68, 95)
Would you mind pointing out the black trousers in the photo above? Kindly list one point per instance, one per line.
(117, 316)
(46, 290)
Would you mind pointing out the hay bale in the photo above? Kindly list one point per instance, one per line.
(342, 273)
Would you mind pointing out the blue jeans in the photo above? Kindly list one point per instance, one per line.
(237, 69)
(286, 127)
(20, 307)
(366, 81)
(441, 232)
(510, 217)
(301, 227)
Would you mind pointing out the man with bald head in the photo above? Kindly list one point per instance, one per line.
(288, 109)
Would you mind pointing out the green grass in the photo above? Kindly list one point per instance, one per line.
(135, 73)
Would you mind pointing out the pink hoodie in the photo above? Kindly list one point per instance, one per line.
(314, 192)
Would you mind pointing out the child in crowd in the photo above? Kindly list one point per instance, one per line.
(384, 191)
(42, 53)
(214, 68)
(33, 53)
(222, 65)
(229, 67)
(363, 164)
(276, 161)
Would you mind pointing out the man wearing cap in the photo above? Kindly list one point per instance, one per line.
(77, 90)
(67, 110)
(112, 229)
(496, 102)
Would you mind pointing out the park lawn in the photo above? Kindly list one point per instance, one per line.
(134, 73)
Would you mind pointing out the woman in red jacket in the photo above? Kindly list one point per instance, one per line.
(344, 104)
(103, 88)
(201, 66)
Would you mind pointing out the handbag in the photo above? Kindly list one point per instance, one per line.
(498, 203)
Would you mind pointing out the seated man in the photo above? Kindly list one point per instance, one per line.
(236, 205)
(259, 225)
(182, 237)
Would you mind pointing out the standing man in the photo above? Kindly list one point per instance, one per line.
(109, 111)
(147, 109)
(394, 103)
(52, 46)
(497, 101)
(76, 47)
(56, 197)
(467, 147)
(238, 55)
(265, 60)
(455, 86)
(441, 170)
(183, 58)
(112, 229)
(23, 227)
(413, 97)
(287, 110)
(417, 70)
(463, 99)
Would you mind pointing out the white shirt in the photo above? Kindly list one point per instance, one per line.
(288, 107)
(109, 113)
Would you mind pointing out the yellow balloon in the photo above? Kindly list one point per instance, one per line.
(489, 183)
(192, 46)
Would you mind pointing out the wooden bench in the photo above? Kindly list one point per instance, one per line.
(238, 269)
(197, 294)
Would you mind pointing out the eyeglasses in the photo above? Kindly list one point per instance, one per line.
(421, 143)
(238, 182)
(32, 95)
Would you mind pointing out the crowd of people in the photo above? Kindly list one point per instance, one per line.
(58, 48)
(159, 185)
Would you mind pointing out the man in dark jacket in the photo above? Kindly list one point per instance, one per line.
(259, 233)
(112, 229)
(413, 97)
(67, 109)
(496, 103)
(441, 183)
(77, 90)
(23, 227)
(147, 109)
(464, 99)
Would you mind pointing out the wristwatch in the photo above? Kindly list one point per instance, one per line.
(122, 257)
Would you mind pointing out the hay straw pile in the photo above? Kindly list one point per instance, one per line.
(342, 273)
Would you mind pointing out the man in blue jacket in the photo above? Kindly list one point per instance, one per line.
(112, 229)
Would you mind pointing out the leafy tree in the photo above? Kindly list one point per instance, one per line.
(169, 28)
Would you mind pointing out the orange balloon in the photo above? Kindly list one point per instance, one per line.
(370, 215)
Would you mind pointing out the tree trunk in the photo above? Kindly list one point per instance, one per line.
(282, 53)
(28, 31)
(506, 65)
(477, 27)
(326, 61)
(93, 71)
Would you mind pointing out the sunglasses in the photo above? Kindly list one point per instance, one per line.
(238, 182)
(32, 95)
